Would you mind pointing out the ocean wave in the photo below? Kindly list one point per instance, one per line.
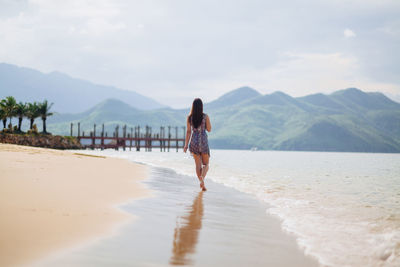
(339, 216)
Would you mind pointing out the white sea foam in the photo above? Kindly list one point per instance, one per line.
(344, 208)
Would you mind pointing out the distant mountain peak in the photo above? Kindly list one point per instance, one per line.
(348, 91)
(244, 91)
(110, 106)
(281, 94)
(113, 101)
(234, 97)
(275, 98)
(355, 98)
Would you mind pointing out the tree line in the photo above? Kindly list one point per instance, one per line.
(9, 108)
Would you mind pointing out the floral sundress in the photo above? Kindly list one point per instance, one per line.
(199, 140)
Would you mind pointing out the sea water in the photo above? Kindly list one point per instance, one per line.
(343, 208)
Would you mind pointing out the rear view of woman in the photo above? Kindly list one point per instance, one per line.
(197, 124)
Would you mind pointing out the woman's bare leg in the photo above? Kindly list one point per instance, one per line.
(203, 170)
(205, 160)
(198, 162)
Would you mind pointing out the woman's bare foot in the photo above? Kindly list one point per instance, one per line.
(202, 186)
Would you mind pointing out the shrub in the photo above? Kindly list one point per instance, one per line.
(34, 130)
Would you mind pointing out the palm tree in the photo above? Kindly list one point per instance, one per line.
(44, 109)
(9, 107)
(20, 112)
(3, 115)
(32, 112)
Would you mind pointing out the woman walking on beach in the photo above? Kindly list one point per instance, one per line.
(197, 124)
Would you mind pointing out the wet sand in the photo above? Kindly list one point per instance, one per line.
(180, 225)
(52, 200)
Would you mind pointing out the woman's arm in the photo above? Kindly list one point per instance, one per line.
(188, 133)
(208, 124)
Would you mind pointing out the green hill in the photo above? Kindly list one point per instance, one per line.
(113, 112)
(347, 120)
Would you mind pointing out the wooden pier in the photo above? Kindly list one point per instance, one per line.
(133, 138)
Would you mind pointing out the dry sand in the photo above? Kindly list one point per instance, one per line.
(51, 200)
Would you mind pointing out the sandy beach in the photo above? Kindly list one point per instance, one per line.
(180, 225)
(51, 200)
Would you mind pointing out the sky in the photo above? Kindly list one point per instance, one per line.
(175, 50)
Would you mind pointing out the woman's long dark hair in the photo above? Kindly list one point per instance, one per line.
(196, 114)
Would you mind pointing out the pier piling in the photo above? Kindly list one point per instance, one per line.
(135, 138)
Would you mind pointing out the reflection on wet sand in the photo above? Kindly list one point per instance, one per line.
(187, 232)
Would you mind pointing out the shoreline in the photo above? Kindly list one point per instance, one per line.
(52, 200)
(182, 225)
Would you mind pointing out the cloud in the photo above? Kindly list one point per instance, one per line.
(77, 8)
(175, 50)
(348, 33)
(300, 74)
(99, 26)
(392, 28)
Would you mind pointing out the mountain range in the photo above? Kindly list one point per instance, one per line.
(68, 94)
(346, 120)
